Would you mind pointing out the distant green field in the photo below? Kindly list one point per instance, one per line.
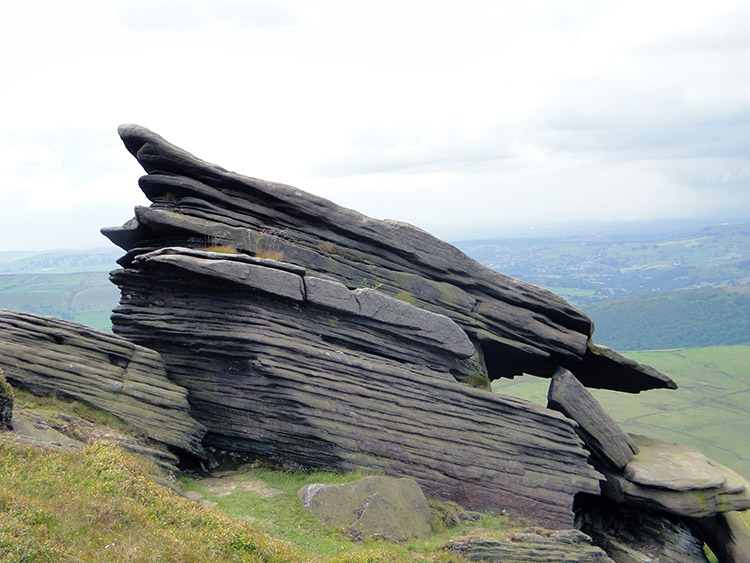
(86, 298)
(710, 410)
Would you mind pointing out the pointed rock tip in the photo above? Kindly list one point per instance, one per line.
(135, 136)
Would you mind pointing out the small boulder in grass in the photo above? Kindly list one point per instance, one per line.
(6, 403)
(382, 507)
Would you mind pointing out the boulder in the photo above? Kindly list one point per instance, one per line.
(6, 403)
(534, 545)
(383, 507)
(519, 327)
(597, 429)
(49, 356)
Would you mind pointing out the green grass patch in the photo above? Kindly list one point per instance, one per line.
(284, 517)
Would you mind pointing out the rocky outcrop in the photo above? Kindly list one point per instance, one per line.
(660, 499)
(6, 403)
(49, 356)
(313, 336)
(327, 339)
(373, 507)
(517, 326)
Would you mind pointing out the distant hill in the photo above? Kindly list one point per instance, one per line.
(710, 410)
(86, 297)
(60, 261)
(590, 267)
(644, 286)
(677, 319)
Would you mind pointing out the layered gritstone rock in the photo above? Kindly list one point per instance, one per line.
(50, 356)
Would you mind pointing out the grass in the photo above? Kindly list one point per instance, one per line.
(221, 249)
(284, 517)
(100, 504)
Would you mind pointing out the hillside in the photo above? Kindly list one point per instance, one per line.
(677, 319)
(710, 410)
(592, 266)
(59, 261)
(645, 285)
(84, 297)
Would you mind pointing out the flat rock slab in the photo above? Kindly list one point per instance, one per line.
(673, 466)
(383, 507)
(677, 479)
(532, 546)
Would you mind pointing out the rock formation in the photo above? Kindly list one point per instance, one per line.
(313, 336)
(49, 356)
(6, 403)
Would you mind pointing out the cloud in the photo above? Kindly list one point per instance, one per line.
(451, 117)
(158, 16)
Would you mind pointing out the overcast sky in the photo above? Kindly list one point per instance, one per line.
(463, 118)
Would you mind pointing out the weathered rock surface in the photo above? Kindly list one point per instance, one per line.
(727, 536)
(519, 327)
(382, 507)
(599, 431)
(633, 535)
(323, 383)
(532, 546)
(49, 356)
(677, 479)
(6, 403)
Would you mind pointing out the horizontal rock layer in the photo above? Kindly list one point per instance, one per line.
(49, 356)
(306, 372)
(532, 546)
(518, 326)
